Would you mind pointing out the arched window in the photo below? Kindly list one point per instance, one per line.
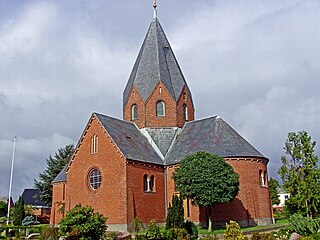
(145, 183)
(134, 112)
(263, 178)
(94, 144)
(151, 183)
(148, 183)
(185, 112)
(160, 109)
(95, 179)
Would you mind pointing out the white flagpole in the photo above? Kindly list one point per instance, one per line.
(11, 175)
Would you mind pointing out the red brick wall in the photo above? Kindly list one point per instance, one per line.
(145, 205)
(184, 100)
(147, 112)
(135, 98)
(252, 202)
(110, 198)
(58, 197)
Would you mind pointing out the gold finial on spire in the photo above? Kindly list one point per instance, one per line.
(154, 8)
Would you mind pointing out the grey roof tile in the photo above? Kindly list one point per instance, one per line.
(155, 62)
(61, 177)
(129, 140)
(162, 137)
(29, 197)
(211, 135)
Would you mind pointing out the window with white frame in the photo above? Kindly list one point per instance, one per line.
(134, 112)
(160, 109)
(94, 144)
(148, 183)
(95, 179)
(185, 112)
(263, 178)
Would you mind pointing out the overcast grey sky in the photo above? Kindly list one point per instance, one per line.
(255, 63)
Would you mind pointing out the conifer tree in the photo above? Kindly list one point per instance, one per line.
(273, 185)
(55, 164)
(18, 212)
(175, 216)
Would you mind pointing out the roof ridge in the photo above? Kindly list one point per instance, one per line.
(202, 119)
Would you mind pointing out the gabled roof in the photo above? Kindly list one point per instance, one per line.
(29, 195)
(61, 177)
(129, 140)
(155, 62)
(211, 135)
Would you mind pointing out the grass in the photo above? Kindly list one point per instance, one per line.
(279, 223)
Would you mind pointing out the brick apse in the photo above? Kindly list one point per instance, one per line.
(124, 168)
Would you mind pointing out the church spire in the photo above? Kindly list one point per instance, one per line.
(155, 8)
(156, 80)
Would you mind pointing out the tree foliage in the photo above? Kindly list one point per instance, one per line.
(175, 216)
(3, 209)
(206, 180)
(83, 223)
(300, 174)
(273, 189)
(54, 166)
(18, 212)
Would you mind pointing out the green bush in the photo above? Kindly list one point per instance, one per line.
(263, 236)
(233, 231)
(191, 229)
(312, 237)
(282, 234)
(49, 233)
(83, 223)
(110, 236)
(304, 226)
(210, 237)
(175, 234)
(153, 231)
(137, 225)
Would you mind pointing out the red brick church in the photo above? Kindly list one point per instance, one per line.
(124, 168)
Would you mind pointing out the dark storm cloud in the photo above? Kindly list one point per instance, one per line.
(254, 63)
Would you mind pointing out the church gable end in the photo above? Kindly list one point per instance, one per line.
(98, 169)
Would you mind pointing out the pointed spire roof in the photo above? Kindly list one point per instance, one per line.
(156, 62)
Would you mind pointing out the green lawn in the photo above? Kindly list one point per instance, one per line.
(282, 222)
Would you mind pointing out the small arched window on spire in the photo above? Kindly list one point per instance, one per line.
(134, 112)
(185, 112)
(160, 109)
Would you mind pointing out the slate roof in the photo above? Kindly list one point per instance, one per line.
(212, 135)
(162, 137)
(61, 177)
(155, 62)
(28, 197)
(129, 140)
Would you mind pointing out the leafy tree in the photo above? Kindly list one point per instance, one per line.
(83, 223)
(18, 212)
(206, 180)
(3, 209)
(273, 189)
(301, 175)
(54, 166)
(175, 216)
